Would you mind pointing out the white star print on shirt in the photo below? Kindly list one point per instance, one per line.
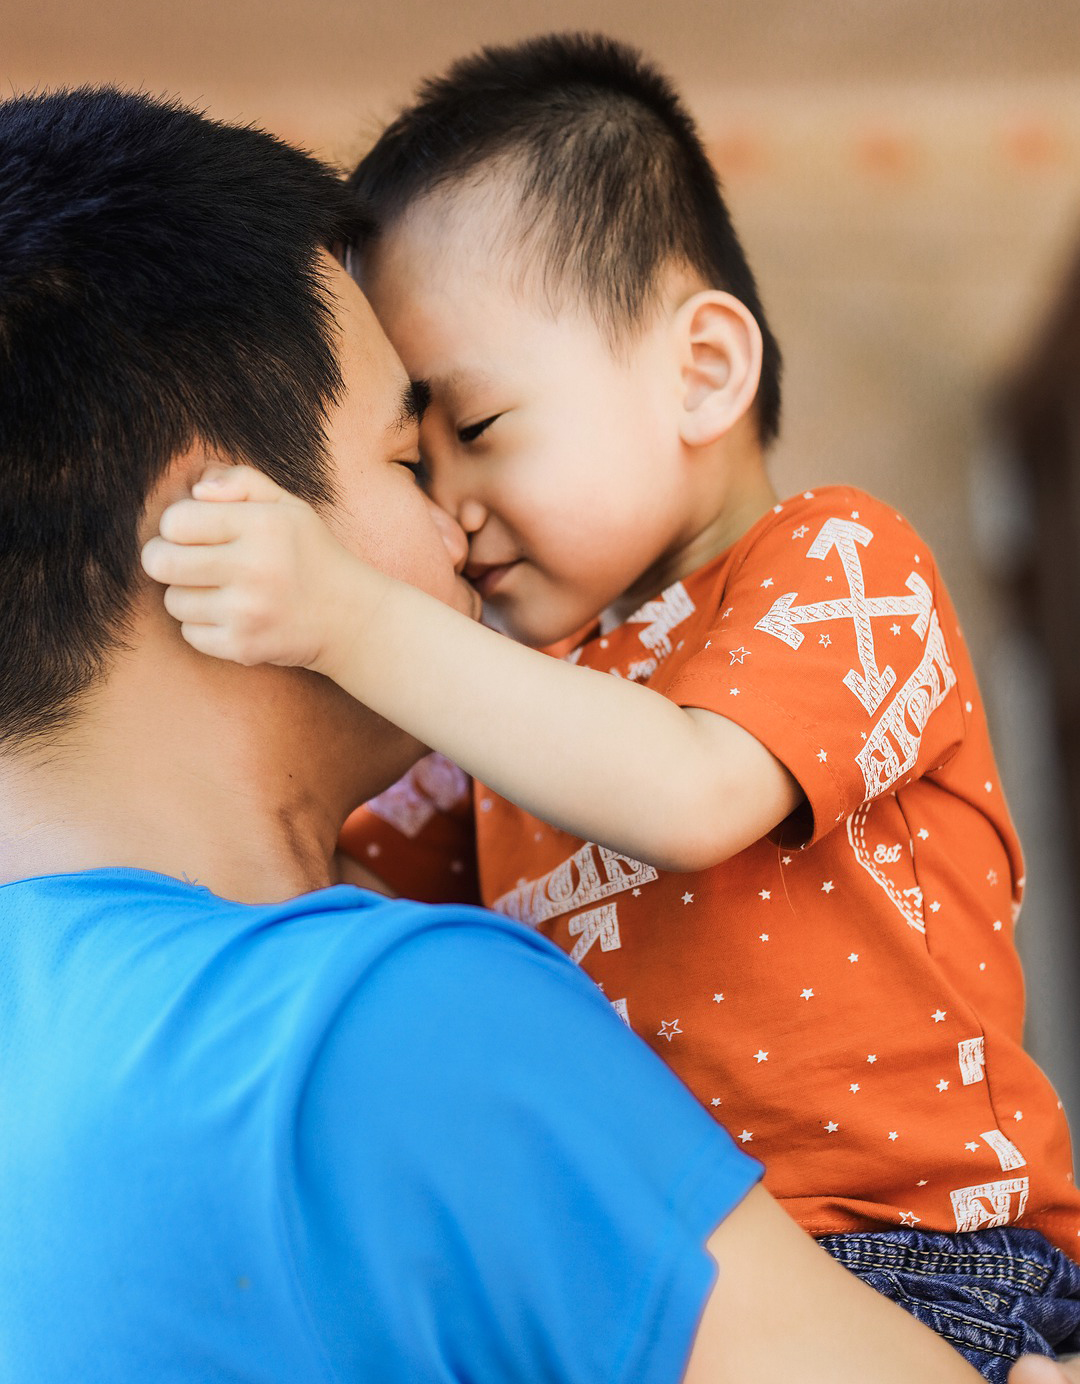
(893, 1136)
(688, 898)
(737, 655)
(745, 1137)
(938, 1016)
(943, 1085)
(668, 1029)
(871, 1058)
(828, 887)
(831, 1127)
(853, 957)
(854, 1087)
(807, 995)
(909, 1218)
(973, 1147)
(764, 894)
(761, 1055)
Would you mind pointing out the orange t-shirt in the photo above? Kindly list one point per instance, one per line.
(843, 995)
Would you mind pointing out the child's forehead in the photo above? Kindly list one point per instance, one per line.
(475, 230)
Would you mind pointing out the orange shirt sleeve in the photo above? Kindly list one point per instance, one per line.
(419, 835)
(830, 649)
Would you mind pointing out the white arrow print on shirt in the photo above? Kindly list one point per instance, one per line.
(873, 684)
(597, 925)
(670, 608)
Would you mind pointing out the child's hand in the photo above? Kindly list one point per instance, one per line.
(251, 571)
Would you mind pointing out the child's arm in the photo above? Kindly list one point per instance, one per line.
(603, 758)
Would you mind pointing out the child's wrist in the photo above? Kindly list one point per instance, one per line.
(357, 594)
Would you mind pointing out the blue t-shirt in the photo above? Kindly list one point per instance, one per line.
(339, 1138)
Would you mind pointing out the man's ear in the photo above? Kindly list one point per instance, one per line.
(175, 483)
(719, 344)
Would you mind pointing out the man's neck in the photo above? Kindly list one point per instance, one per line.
(214, 774)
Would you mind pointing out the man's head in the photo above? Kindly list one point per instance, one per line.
(552, 252)
(161, 289)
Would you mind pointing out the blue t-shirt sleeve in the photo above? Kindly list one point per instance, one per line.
(495, 1180)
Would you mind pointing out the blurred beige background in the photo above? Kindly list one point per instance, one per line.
(906, 175)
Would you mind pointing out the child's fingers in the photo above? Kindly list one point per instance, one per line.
(196, 521)
(241, 624)
(212, 640)
(172, 564)
(237, 483)
(198, 605)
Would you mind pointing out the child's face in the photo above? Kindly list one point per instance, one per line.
(561, 462)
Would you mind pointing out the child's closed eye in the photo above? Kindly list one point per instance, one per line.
(475, 430)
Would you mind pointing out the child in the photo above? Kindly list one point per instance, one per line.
(776, 836)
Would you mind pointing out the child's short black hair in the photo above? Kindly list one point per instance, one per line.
(613, 181)
(159, 285)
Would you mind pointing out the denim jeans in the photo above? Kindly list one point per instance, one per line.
(993, 1294)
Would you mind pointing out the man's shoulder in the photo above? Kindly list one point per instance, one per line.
(146, 938)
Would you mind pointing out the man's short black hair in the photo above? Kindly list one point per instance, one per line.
(613, 182)
(159, 286)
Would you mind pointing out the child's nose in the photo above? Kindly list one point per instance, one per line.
(471, 515)
(451, 533)
(455, 501)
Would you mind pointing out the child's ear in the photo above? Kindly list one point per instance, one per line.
(719, 344)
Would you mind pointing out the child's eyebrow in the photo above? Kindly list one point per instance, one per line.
(415, 399)
(458, 385)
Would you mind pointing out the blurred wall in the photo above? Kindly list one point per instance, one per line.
(906, 175)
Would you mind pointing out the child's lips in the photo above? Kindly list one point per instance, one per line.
(486, 577)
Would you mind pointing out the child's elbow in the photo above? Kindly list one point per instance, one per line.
(684, 847)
